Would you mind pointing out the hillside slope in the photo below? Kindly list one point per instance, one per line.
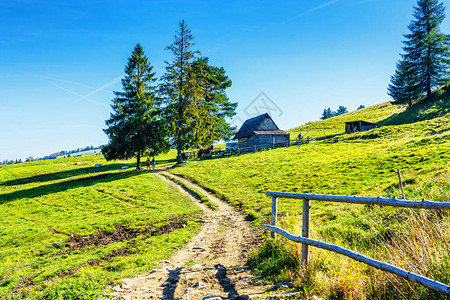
(383, 114)
(364, 163)
(336, 125)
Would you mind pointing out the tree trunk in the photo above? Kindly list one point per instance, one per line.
(138, 163)
(179, 161)
(428, 65)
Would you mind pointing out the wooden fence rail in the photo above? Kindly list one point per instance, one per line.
(306, 241)
(433, 284)
(241, 150)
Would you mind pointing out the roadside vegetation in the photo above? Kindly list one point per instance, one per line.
(199, 196)
(69, 230)
(362, 164)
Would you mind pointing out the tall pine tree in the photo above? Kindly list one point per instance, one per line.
(135, 127)
(426, 61)
(404, 87)
(217, 101)
(194, 96)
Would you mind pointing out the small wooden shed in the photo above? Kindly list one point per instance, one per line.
(356, 126)
(261, 132)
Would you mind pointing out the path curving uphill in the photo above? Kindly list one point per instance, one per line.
(211, 266)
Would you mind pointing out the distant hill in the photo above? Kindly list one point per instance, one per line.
(336, 125)
(383, 114)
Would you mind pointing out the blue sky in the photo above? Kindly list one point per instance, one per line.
(60, 61)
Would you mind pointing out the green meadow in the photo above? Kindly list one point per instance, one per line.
(364, 164)
(384, 114)
(69, 230)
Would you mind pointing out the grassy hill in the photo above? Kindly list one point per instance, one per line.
(68, 229)
(336, 125)
(384, 114)
(358, 164)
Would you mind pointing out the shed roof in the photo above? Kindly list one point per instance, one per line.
(270, 132)
(251, 125)
(362, 123)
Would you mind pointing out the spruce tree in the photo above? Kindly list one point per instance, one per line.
(135, 127)
(426, 60)
(217, 101)
(341, 110)
(327, 113)
(194, 94)
(404, 87)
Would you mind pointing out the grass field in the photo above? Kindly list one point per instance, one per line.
(83, 153)
(359, 164)
(383, 114)
(68, 229)
(336, 125)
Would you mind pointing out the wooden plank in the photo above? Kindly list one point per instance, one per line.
(305, 232)
(430, 283)
(274, 215)
(400, 183)
(364, 200)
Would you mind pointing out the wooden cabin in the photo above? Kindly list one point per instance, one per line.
(357, 126)
(261, 132)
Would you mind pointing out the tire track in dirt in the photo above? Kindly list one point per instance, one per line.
(211, 266)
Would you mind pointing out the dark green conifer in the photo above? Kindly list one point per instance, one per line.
(426, 61)
(135, 127)
(194, 95)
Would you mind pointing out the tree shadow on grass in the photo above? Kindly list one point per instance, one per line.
(57, 187)
(166, 161)
(62, 175)
(427, 109)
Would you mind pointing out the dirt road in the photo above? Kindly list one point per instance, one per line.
(210, 266)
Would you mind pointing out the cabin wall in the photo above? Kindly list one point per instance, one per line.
(267, 124)
(351, 128)
(368, 127)
(262, 141)
(281, 139)
(348, 128)
(247, 142)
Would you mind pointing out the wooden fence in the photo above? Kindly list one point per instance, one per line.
(219, 152)
(306, 241)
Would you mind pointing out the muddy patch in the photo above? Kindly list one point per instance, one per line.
(120, 234)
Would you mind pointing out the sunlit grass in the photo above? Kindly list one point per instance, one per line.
(43, 203)
(358, 164)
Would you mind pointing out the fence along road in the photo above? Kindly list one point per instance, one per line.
(305, 240)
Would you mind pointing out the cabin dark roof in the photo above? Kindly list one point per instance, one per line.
(271, 132)
(251, 125)
(362, 123)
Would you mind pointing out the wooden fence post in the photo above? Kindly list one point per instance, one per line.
(274, 216)
(305, 232)
(400, 183)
